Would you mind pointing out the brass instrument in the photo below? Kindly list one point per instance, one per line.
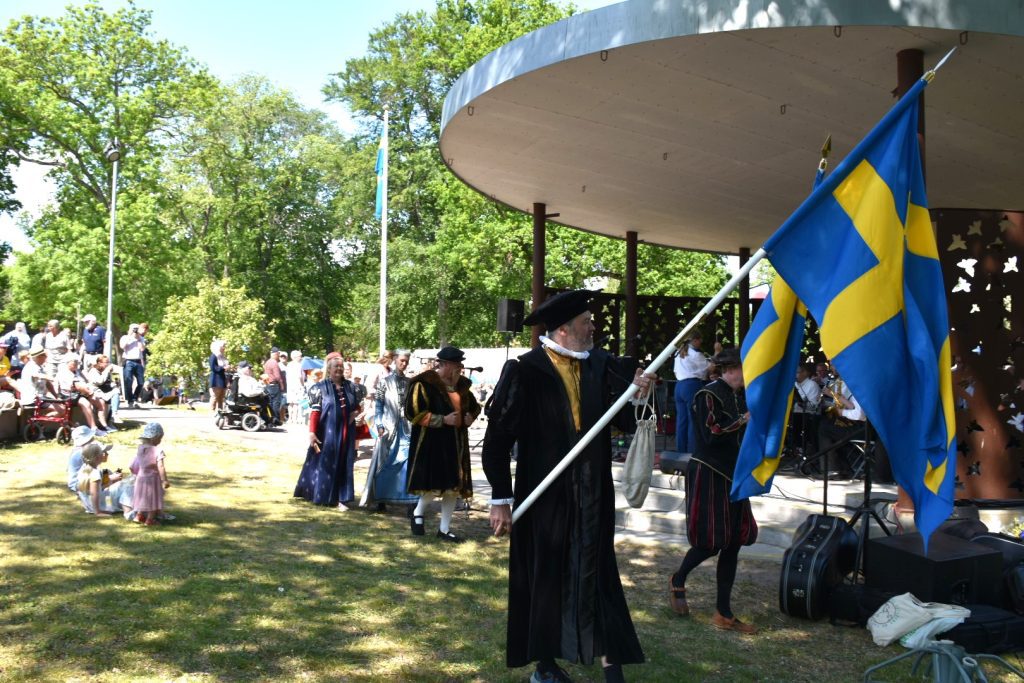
(834, 404)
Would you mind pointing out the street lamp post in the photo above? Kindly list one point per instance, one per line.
(113, 153)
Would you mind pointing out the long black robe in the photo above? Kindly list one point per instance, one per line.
(565, 598)
(438, 456)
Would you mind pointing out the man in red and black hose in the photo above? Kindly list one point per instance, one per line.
(714, 524)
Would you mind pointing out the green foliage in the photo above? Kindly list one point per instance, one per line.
(67, 88)
(255, 181)
(217, 310)
(453, 253)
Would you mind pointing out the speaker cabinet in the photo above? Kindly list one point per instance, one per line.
(510, 315)
(954, 570)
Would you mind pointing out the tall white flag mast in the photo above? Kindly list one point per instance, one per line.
(382, 213)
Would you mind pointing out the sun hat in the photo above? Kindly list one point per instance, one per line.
(82, 435)
(152, 430)
(36, 350)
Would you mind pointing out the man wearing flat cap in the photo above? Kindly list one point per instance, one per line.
(440, 407)
(565, 596)
(714, 524)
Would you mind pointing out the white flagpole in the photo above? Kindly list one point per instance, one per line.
(631, 390)
(384, 239)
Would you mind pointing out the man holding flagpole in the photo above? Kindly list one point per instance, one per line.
(565, 597)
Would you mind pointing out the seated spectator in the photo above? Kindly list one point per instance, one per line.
(6, 384)
(35, 383)
(105, 491)
(18, 340)
(72, 384)
(99, 376)
(80, 436)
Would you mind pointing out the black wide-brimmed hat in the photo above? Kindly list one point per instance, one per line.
(727, 358)
(451, 354)
(560, 309)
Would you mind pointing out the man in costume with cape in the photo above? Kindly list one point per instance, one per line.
(565, 597)
(440, 407)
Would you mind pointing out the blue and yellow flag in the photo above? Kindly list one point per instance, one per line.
(861, 254)
(771, 353)
(382, 159)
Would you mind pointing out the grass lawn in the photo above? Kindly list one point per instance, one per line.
(249, 584)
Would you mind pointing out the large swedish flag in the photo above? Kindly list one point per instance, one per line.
(770, 352)
(860, 253)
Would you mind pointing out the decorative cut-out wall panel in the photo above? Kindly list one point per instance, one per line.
(981, 254)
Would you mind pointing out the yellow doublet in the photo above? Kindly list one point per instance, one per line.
(569, 370)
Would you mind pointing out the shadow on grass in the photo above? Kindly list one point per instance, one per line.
(245, 593)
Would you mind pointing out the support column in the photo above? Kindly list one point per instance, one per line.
(744, 298)
(632, 314)
(539, 251)
(909, 69)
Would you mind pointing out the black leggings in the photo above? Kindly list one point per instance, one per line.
(725, 573)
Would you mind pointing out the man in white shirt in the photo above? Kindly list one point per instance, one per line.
(35, 382)
(845, 421)
(803, 434)
(691, 370)
(133, 346)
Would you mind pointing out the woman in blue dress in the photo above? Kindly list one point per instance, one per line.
(386, 479)
(326, 477)
(218, 363)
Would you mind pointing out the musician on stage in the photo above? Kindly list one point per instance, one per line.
(804, 419)
(845, 419)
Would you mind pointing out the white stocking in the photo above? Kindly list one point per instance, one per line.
(421, 506)
(447, 508)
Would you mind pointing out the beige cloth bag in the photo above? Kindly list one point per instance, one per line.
(636, 477)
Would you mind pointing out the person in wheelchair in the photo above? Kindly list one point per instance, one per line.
(253, 391)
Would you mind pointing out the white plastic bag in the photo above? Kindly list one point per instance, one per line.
(905, 613)
(636, 476)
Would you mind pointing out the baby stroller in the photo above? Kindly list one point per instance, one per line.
(242, 411)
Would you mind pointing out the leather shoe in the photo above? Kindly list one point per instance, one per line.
(417, 526)
(677, 599)
(448, 536)
(732, 624)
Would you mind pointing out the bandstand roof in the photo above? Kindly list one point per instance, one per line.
(698, 124)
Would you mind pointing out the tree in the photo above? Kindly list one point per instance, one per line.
(67, 88)
(453, 253)
(255, 181)
(217, 310)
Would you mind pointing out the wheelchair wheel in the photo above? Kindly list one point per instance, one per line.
(64, 435)
(251, 422)
(221, 422)
(32, 432)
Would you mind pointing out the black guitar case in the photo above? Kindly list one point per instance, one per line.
(824, 551)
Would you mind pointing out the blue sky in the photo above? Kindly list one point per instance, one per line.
(296, 44)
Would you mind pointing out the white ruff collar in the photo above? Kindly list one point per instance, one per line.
(561, 350)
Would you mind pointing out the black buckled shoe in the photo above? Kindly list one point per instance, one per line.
(417, 526)
(448, 536)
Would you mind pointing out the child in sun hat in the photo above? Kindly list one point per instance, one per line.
(151, 477)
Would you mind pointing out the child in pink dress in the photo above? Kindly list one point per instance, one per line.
(151, 478)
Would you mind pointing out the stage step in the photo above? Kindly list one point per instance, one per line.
(778, 514)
